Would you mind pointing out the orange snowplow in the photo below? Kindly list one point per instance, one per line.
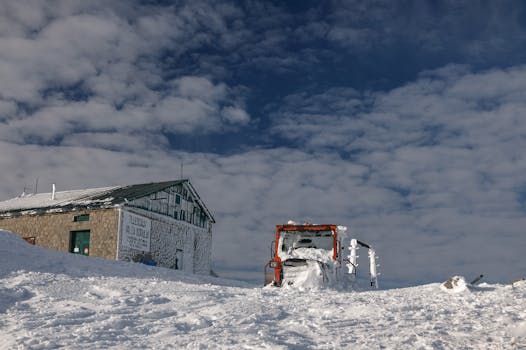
(312, 254)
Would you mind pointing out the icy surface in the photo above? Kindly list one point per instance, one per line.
(50, 299)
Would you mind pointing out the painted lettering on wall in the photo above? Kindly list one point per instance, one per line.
(135, 231)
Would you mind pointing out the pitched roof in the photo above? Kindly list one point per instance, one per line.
(103, 197)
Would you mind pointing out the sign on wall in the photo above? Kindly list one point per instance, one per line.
(135, 231)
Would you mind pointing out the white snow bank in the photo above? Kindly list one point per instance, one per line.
(51, 299)
(18, 255)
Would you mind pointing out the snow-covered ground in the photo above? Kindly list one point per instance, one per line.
(51, 299)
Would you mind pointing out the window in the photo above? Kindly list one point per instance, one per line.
(314, 239)
(177, 199)
(182, 217)
(81, 217)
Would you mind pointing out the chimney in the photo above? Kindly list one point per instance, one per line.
(53, 193)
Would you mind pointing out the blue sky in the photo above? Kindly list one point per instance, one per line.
(404, 120)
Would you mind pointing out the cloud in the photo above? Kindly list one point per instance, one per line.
(460, 30)
(116, 141)
(430, 171)
(356, 38)
(235, 115)
(429, 214)
(446, 147)
(85, 68)
(467, 109)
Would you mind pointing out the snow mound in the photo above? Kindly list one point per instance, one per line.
(310, 276)
(520, 284)
(455, 284)
(18, 255)
(317, 275)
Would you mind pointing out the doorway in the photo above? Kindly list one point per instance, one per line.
(178, 259)
(79, 242)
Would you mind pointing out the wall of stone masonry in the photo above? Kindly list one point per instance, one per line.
(53, 230)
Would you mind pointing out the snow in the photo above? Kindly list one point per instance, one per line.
(307, 253)
(62, 198)
(309, 276)
(51, 299)
(455, 284)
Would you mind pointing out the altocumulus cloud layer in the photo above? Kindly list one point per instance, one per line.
(404, 121)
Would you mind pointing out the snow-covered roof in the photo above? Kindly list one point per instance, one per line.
(63, 199)
(103, 197)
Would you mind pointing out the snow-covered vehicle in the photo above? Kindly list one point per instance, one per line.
(313, 255)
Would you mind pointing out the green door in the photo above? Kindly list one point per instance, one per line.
(80, 242)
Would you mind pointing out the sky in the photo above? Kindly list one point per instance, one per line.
(403, 120)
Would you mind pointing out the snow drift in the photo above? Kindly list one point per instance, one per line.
(51, 299)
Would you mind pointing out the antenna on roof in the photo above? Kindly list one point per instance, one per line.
(182, 170)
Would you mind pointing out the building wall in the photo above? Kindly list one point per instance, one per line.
(176, 202)
(203, 252)
(52, 230)
(171, 239)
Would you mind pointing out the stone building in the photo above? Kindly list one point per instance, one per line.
(164, 223)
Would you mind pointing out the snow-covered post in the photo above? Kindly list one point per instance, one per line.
(352, 257)
(372, 268)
